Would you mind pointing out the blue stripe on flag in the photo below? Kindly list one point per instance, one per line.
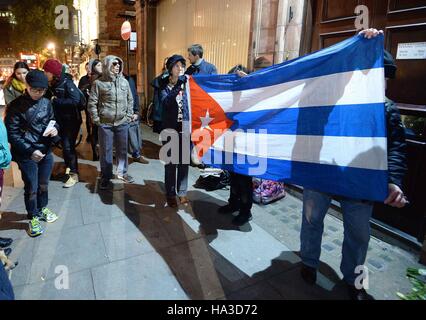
(343, 121)
(324, 62)
(355, 183)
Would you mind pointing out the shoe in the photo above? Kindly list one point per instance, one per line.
(141, 160)
(105, 184)
(227, 209)
(72, 180)
(358, 294)
(67, 171)
(183, 200)
(5, 242)
(34, 228)
(48, 215)
(126, 178)
(309, 274)
(7, 251)
(171, 202)
(241, 219)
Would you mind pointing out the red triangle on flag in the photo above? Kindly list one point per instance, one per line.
(209, 121)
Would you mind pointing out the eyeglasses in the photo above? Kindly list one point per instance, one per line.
(115, 63)
(37, 91)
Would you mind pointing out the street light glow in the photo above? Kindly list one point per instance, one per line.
(51, 46)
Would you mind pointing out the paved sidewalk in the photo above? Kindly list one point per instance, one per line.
(126, 244)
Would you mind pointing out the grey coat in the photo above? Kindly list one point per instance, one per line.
(110, 100)
(10, 94)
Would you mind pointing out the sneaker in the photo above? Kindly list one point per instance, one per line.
(227, 209)
(105, 184)
(241, 219)
(183, 200)
(34, 227)
(67, 171)
(72, 180)
(141, 160)
(358, 294)
(126, 178)
(48, 215)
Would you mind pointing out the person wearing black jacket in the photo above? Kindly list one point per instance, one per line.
(356, 213)
(30, 136)
(84, 86)
(65, 98)
(135, 139)
(176, 121)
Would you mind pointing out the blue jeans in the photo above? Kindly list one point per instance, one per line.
(6, 290)
(135, 141)
(356, 223)
(36, 176)
(110, 136)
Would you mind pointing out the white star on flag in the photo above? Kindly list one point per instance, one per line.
(205, 121)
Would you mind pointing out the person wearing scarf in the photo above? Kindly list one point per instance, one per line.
(16, 85)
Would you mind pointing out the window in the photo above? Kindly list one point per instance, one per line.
(133, 41)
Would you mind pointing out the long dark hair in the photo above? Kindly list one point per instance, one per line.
(18, 65)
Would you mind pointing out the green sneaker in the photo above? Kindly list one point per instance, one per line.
(48, 215)
(35, 229)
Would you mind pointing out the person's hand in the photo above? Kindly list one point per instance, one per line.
(241, 74)
(396, 197)
(182, 79)
(52, 132)
(135, 117)
(370, 33)
(37, 156)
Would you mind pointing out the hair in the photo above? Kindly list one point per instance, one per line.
(238, 67)
(18, 65)
(196, 50)
(94, 64)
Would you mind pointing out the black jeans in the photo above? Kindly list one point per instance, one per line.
(69, 133)
(36, 176)
(241, 192)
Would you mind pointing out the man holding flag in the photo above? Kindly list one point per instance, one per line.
(321, 121)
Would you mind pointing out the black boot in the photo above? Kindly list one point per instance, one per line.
(5, 242)
(358, 294)
(309, 274)
(241, 219)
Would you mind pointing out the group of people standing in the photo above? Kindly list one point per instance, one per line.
(35, 98)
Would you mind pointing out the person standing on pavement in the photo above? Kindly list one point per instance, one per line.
(176, 118)
(135, 139)
(65, 99)
(15, 86)
(30, 136)
(356, 213)
(111, 108)
(241, 193)
(199, 66)
(84, 86)
(95, 69)
(5, 159)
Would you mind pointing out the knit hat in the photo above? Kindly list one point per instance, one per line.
(53, 66)
(173, 60)
(37, 79)
(390, 65)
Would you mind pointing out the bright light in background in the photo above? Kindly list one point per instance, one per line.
(51, 46)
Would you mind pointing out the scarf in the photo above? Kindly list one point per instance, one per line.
(18, 85)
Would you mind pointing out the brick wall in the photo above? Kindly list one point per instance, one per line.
(110, 29)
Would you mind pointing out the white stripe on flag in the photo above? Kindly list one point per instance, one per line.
(347, 88)
(356, 152)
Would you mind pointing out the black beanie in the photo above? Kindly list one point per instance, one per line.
(37, 79)
(390, 66)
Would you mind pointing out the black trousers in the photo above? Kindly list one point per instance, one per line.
(241, 192)
(69, 133)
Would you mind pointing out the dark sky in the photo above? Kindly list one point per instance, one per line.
(6, 2)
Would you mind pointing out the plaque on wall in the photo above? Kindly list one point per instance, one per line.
(411, 51)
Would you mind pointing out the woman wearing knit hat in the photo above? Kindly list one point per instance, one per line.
(65, 98)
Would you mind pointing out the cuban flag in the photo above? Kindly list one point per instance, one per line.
(317, 121)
